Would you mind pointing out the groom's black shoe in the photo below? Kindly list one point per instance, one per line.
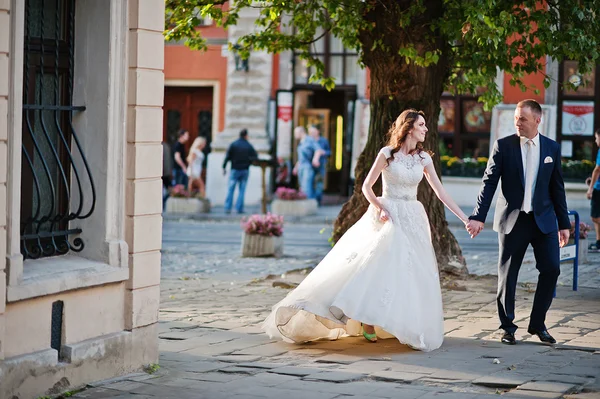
(544, 336)
(508, 338)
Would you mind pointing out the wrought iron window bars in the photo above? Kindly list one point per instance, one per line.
(56, 185)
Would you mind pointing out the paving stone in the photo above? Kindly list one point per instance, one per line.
(367, 366)
(252, 329)
(396, 376)
(454, 375)
(125, 385)
(403, 392)
(202, 367)
(238, 358)
(335, 376)
(518, 394)
(450, 395)
(241, 370)
(308, 352)
(501, 380)
(225, 324)
(583, 395)
(565, 378)
(164, 392)
(295, 371)
(581, 371)
(359, 388)
(338, 358)
(275, 392)
(262, 365)
(264, 350)
(546, 386)
(98, 393)
(216, 376)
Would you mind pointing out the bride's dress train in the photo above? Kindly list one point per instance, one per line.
(383, 274)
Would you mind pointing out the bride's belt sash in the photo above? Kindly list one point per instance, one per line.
(407, 197)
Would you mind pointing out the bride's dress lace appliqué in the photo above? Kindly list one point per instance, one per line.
(384, 274)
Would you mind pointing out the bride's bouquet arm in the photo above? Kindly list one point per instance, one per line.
(367, 187)
(442, 194)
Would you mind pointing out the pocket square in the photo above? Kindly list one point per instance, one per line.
(548, 160)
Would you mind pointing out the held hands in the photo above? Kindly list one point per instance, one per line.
(563, 237)
(474, 227)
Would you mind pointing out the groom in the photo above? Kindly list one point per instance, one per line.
(531, 201)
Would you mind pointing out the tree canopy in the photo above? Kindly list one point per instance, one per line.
(478, 37)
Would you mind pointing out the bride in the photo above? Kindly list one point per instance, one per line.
(382, 274)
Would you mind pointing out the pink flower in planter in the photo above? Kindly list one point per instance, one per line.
(289, 194)
(179, 191)
(265, 225)
(584, 229)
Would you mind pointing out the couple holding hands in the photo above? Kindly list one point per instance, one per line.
(381, 278)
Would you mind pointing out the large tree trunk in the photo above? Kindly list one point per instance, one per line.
(395, 86)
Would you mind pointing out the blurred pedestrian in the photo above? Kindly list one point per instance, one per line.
(322, 169)
(309, 154)
(241, 154)
(179, 156)
(593, 194)
(195, 160)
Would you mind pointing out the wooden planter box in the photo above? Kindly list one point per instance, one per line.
(187, 205)
(303, 207)
(254, 245)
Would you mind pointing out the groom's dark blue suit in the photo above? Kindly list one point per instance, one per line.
(517, 229)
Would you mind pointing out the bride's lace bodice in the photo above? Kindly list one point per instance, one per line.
(402, 176)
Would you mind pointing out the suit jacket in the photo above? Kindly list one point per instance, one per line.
(506, 165)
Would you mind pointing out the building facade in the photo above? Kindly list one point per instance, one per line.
(81, 91)
(273, 95)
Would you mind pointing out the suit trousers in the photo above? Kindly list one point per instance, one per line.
(511, 252)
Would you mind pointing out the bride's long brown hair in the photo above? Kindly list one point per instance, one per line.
(400, 130)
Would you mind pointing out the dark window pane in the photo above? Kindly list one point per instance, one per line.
(352, 68)
(447, 116)
(475, 119)
(585, 84)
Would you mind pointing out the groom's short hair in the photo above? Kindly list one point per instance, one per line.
(533, 105)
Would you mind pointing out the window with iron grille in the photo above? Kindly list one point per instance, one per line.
(56, 182)
(340, 63)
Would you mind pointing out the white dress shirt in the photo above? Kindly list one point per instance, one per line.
(535, 153)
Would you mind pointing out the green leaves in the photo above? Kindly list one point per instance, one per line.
(474, 39)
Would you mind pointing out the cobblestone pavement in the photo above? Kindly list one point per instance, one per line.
(213, 301)
(211, 347)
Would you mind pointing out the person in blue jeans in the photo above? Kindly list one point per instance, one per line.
(241, 154)
(309, 154)
(322, 169)
(593, 194)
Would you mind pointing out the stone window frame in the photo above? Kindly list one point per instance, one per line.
(105, 257)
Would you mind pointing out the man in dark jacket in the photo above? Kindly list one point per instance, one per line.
(531, 209)
(241, 154)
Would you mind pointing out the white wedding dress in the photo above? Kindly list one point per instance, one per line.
(383, 274)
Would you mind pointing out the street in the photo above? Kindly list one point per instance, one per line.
(208, 248)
